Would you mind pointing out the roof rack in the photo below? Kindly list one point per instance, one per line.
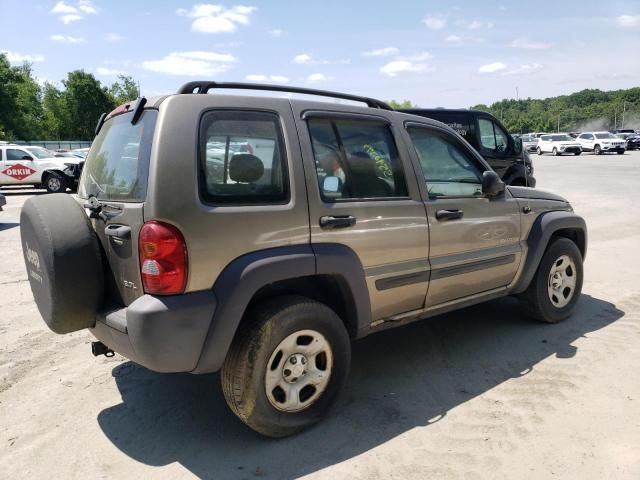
(205, 86)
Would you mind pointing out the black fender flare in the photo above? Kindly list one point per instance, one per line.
(545, 226)
(243, 277)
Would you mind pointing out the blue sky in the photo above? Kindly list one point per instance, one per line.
(450, 54)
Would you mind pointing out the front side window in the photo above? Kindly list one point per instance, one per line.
(492, 137)
(602, 136)
(242, 158)
(356, 159)
(15, 154)
(448, 170)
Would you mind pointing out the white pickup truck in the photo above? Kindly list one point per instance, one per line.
(558, 143)
(28, 165)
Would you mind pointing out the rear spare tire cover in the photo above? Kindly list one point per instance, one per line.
(63, 260)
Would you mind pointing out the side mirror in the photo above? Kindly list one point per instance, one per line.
(492, 186)
(27, 157)
(331, 184)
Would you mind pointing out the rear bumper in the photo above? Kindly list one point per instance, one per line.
(164, 334)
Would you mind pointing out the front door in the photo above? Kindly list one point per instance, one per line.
(18, 168)
(359, 175)
(474, 240)
(495, 145)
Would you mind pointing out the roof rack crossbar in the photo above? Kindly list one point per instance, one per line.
(205, 86)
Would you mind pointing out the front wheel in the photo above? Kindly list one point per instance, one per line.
(597, 150)
(554, 291)
(55, 184)
(284, 371)
(577, 153)
(620, 152)
(555, 151)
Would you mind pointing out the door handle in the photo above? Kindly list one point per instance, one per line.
(449, 214)
(118, 231)
(331, 222)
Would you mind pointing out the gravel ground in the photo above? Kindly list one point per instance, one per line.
(479, 393)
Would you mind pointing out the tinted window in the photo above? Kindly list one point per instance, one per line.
(117, 166)
(356, 159)
(15, 154)
(448, 169)
(604, 135)
(242, 158)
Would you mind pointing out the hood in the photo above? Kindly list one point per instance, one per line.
(534, 193)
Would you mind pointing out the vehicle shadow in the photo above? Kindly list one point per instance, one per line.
(21, 192)
(8, 225)
(400, 379)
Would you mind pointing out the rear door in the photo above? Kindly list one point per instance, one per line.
(116, 173)
(357, 170)
(474, 240)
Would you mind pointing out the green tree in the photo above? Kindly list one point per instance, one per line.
(124, 90)
(20, 107)
(56, 116)
(404, 104)
(85, 99)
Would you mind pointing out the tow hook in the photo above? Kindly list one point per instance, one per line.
(99, 348)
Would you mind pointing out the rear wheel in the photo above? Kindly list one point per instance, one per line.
(539, 151)
(577, 153)
(620, 152)
(554, 291)
(285, 369)
(597, 150)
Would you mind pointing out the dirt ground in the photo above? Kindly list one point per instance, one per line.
(479, 393)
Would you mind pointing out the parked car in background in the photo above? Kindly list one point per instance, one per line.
(601, 142)
(632, 141)
(529, 142)
(558, 144)
(3, 201)
(489, 137)
(624, 130)
(28, 165)
(80, 152)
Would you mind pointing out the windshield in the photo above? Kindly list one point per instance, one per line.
(40, 152)
(605, 135)
(561, 138)
(117, 166)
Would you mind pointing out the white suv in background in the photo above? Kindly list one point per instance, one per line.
(558, 143)
(601, 142)
(29, 165)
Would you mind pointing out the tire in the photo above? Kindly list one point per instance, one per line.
(539, 151)
(54, 183)
(555, 151)
(259, 346)
(620, 152)
(577, 153)
(537, 299)
(597, 150)
(63, 260)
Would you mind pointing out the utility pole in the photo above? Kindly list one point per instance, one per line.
(558, 130)
(517, 94)
(624, 109)
(615, 120)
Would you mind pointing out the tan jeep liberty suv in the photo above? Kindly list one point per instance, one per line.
(259, 236)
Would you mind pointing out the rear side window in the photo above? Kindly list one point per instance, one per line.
(117, 167)
(242, 158)
(356, 159)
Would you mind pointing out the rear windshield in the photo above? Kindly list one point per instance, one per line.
(117, 166)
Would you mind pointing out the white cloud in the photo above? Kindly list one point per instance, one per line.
(67, 39)
(453, 39)
(209, 18)
(67, 19)
(474, 25)
(276, 32)
(435, 22)
(302, 59)
(492, 67)
(62, 8)
(113, 37)
(318, 77)
(109, 72)
(629, 20)
(398, 67)
(87, 7)
(191, 63)
(267, 78)
(15, 57)
(524, 43)
(381, 52)
(523, 69)
(419, 57)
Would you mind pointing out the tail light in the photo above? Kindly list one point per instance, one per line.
(163, 258)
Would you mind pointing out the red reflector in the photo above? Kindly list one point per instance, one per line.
(163, 258)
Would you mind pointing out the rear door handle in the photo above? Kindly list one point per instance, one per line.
(342, 221)
(118, 231)
(449, 214)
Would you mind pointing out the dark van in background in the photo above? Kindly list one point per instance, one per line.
(489, 137)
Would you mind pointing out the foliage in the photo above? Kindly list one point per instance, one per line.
(30, 111)
(585, 110)
(404, 104)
